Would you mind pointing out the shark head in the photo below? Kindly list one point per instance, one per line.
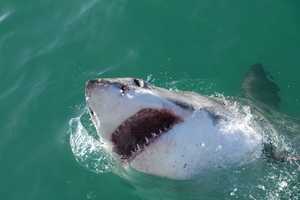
(166, 133)
(130, 114)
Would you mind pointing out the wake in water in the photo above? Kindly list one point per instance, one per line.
(262, 179)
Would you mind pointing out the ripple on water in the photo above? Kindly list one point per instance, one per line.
(4, 15)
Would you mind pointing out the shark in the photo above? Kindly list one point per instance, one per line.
(179, 134)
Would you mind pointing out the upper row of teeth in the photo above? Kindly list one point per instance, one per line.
(141, 147)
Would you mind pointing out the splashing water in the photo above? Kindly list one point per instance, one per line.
(271, 179)
(87, 148)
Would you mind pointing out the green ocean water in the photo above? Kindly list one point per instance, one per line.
(48, 49)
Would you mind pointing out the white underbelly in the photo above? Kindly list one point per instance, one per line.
(197, 145)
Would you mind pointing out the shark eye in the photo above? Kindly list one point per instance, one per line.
(138, 82)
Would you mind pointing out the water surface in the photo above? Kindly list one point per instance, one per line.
(48, 49)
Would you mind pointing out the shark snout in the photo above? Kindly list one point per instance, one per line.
(91, 85)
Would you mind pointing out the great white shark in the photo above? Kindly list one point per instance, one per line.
(176, 134)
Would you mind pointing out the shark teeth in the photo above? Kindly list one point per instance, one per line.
(155, 135)
(141, 129)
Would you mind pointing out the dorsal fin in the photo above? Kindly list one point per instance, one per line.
(259, 86)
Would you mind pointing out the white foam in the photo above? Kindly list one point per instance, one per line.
(88, 151)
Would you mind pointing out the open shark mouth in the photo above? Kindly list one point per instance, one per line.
(141, 129)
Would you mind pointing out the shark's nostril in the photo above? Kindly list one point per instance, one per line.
(124, 88)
